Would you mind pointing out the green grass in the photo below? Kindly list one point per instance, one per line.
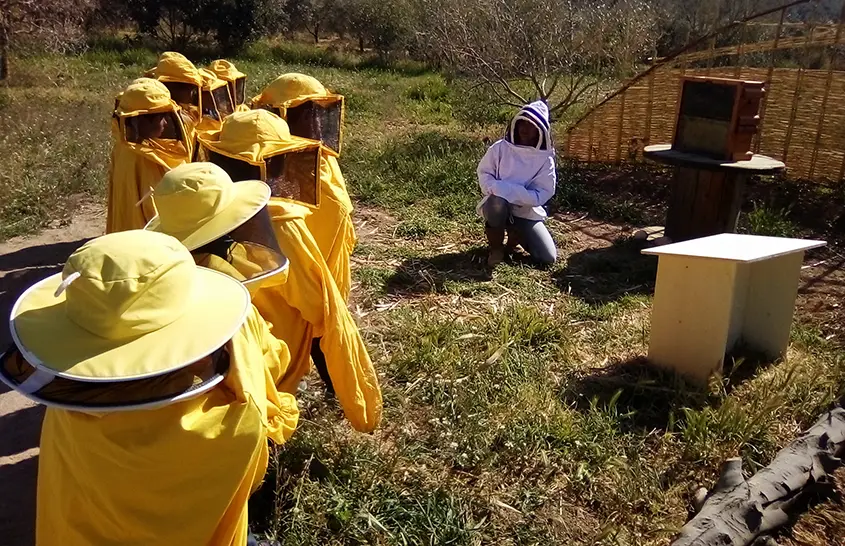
(52, 148)
(518, 409)
(770, 221)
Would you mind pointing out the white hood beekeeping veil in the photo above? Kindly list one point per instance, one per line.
(537, 114)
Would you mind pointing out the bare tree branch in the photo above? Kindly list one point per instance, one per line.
(542, 43)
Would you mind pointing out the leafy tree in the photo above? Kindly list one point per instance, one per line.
(176, 25)
(384, 26)
(314, 16)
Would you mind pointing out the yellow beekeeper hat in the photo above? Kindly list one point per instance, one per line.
(291, 87)
(226, 70)
(198, 203)
(175, 67)
(129, 305)
(144, 96)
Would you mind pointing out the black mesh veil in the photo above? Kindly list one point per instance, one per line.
(136, 129)
(237, 169)
(208, 108)
(295, 176)
(291, 175)
(240, 90)
(317, 121)
(110, 396)
(222, 101)
(183, 93)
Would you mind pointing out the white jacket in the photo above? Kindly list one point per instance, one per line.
(522, 175)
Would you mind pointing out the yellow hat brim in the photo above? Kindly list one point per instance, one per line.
(250, 197)
(50, 341)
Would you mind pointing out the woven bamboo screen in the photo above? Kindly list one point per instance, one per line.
(803, 113)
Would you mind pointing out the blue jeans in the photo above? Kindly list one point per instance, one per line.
(531, 234)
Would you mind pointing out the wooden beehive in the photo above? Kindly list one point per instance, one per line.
(718, 117)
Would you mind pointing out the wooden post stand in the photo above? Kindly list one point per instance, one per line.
(703, 203)
(717, 121)
(707, 193)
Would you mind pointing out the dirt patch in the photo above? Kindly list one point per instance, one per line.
(580, 232)
(24, 261)
(821, 293)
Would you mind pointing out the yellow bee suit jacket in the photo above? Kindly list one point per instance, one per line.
(180, 474)
(135, 169)
(331, 224)
(310, 305)
(175, 67)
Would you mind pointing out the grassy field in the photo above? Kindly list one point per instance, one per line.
(518, 408)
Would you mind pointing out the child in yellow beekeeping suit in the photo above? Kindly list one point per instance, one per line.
(184, 81)
(236, 79)
(312, 112)
(257, 145)
(226, 227)
(157, 377)
(149, 141)
(216, 103)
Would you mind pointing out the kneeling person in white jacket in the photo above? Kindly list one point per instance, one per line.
(517, 177)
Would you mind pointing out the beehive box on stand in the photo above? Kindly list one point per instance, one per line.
(718, 117)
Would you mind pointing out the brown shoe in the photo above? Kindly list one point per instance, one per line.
(496, 242)
(496, 256)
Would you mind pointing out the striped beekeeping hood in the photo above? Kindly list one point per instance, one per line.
(537, 114)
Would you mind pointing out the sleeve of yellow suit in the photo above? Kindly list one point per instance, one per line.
(180, 474)
(281, 406)
(312, 290)
(282, 411)
(331, 225)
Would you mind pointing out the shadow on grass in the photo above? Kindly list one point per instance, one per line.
(602, 275)
(643, 398)
(425, 275)
(743, 363)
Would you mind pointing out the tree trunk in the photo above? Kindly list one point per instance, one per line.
(740, 513)
(317, 32)
(361, 43)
